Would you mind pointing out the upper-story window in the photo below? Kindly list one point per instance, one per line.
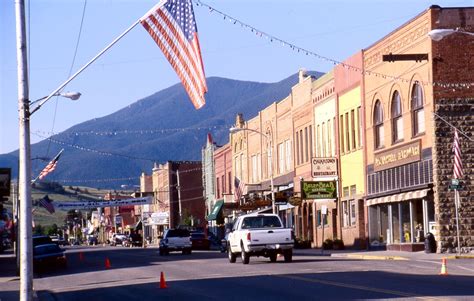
(378, 125)
(397, 119)
(418, 113)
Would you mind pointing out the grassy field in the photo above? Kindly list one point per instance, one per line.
(58, 193)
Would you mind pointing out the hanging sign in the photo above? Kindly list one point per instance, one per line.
(318, 190)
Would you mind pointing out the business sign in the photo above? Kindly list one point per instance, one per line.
(317, 190)
(159, 218)
(5, 178)
(324, 167)
(118, 220)
(404, 154)
(100, 204)
(281, 198)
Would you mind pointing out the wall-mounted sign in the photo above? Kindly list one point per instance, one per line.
(318, 190)
(281, 198)
(323, 167)
(5, 177)
(404, 154)
(159, 218)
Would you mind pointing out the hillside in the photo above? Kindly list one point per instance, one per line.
(161, 127)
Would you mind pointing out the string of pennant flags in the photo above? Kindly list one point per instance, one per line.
(301, 50)
(134, 132)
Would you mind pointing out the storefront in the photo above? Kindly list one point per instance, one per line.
(400, 221)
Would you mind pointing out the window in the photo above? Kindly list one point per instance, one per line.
(341, 133)
(301, 146)
(259, 167)
(318, 141)
(397, 119)
(310, 142)
(223, 184)
(281, 158)
(319, 218)
(353, 130)
(254, 169)
(329, 143)
(378, 125)
(306, 149)
(353, 190)
(418, 113)
(352, 209)
(345, 191)
(323, 142)
(345, 215)
(288, 154)
(346, 130)
(229, 182)
(218, 193)
(296, 149)
(359, 128)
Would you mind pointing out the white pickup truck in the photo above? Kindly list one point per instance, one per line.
(259, 235)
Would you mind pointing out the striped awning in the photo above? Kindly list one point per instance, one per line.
(394, 198)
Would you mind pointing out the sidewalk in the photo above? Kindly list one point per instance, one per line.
(380, 255)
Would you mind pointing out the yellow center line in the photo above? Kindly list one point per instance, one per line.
(358, 287)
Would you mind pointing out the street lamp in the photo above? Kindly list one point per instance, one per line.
(439, 34)
(269, 141)
(70, 95)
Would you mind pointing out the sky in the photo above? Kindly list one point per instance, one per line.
(135, 67)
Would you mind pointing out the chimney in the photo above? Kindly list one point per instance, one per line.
(301, 75)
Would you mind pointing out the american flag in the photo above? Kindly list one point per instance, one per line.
(238, 189)
(172, 26)
(47, 204)
(458, 173)
(50, 167)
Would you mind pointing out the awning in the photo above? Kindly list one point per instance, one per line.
(136, 226)
(215, 210)
(395, 198)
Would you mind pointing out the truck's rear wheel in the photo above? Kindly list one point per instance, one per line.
(232, 256)
(288, 255)
(245, 256)
(273, 257)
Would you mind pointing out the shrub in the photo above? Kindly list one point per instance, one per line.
(328, 244)
(338, 244)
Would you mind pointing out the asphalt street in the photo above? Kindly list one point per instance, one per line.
(134, 274)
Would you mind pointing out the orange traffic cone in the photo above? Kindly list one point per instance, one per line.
(81, 256)
(162, 281)
(444, 269)
(107, 263)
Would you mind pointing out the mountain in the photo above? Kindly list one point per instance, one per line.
(161, 127)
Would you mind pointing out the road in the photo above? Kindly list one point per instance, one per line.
(134, 274)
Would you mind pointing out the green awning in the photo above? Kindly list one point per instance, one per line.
(215, 210)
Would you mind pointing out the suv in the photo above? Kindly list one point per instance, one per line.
(118, 239)
(175, 240)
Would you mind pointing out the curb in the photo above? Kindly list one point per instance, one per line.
(369, 257)
(460, 257)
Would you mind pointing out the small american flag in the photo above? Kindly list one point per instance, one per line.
(238, 189)
(50, 167)
(47, 203)
(458, 173)
(172, 26)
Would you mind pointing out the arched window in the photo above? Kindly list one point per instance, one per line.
(397, 120)
(378, 125)
(418, 113)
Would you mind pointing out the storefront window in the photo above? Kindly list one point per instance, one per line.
(378, 226)
(395, 223)
(419, 234)
(406, 225)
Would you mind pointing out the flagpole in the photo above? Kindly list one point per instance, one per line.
(85, 66)
(456, 205)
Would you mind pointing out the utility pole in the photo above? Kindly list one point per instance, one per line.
(179, 197)
(26, 249)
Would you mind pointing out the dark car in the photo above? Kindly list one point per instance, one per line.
(135, 240)
(199, 241)
(41, 240)
(46, 256)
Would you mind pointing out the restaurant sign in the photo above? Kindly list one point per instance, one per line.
(404, 154)
(324, 167)
(318, 190)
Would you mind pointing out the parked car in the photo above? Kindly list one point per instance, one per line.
(41, 240)
(175, 240)
(199, 241)
(259, 235)
(60, 241)
(135, 240)
(223, 246)
(48, 256)
(118, 239)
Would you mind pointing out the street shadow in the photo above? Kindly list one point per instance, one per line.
(309, 286)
